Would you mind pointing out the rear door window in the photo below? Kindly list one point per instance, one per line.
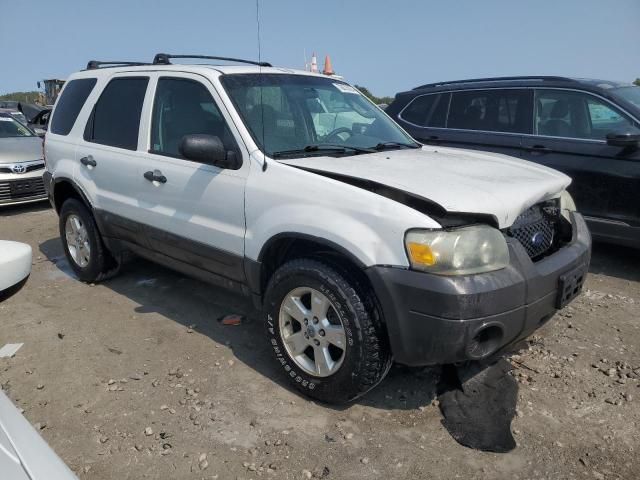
(494, 110)
(115, 120)
(70, 103)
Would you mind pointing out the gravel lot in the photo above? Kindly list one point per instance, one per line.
(136, 378)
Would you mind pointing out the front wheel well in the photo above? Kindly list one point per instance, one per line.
(286, 248)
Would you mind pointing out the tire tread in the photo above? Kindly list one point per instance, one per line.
(376, 359)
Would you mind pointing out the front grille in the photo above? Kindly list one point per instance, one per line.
(30, 168)
(537, 229)
(22, 189)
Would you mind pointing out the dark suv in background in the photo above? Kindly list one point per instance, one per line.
(588, 129)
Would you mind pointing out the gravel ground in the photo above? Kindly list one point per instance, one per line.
(136, 378)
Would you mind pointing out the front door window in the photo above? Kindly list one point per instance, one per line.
(185, 107)
(570, 114)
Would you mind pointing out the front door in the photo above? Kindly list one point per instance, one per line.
(570, 136)
(194, 211)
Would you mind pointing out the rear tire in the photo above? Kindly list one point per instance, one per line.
(83, 245)
(348, 372)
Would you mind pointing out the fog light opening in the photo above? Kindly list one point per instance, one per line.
(485, 342)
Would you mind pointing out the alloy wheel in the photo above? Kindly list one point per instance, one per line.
(77, 240)
(312, 331)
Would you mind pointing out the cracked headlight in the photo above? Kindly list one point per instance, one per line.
(463, 251)
(566, 204)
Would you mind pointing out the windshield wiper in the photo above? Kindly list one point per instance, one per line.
(389, 145)
(321, 148)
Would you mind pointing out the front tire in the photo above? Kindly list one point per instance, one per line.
(83, 245)
(325, 331)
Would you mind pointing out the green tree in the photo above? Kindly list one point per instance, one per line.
(637, 82)
(26, 97)
(377, 100)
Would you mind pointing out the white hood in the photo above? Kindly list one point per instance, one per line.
(459, 180)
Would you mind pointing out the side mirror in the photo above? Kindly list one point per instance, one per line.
(15, 267)
(208, 149)
(623, 139)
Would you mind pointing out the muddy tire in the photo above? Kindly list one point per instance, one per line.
(83, 245)
(325, 331)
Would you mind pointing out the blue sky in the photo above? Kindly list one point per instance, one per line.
(388, 46)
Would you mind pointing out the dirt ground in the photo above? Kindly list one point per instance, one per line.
(136, 378)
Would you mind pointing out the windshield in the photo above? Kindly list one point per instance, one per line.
(630, 94)
(305, 115)
(10, 127)
(20, 117)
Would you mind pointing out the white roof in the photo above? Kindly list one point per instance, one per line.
(195, 68)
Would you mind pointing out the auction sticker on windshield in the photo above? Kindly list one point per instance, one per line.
(344, 88)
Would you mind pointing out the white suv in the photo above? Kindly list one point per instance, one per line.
(360, 245)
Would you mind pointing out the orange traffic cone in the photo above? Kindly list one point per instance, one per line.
(328, 69)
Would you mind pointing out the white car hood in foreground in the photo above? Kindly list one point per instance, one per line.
(24, 455)
(459, 180)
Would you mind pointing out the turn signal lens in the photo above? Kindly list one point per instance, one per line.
(421, 254)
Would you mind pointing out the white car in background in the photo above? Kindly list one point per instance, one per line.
(24, 455)
(15, 267)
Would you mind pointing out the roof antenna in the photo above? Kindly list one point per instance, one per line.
(264, 146)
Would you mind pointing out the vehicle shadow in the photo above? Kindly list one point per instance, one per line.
(200, 306)
(14, 210)
(615, 261)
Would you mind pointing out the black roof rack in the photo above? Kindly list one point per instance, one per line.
(498, 79)
(95, 64)
(165, 59)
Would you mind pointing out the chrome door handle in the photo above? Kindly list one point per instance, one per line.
(155, 176)
(88, 161)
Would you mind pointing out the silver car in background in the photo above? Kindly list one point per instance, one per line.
(21, 163)
(17, 114)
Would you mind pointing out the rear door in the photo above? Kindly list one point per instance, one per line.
(108, 156)
(66, 125)
(570, 136)
(197, 214)
(491, 120)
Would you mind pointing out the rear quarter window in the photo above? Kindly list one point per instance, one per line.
(418, 110)
(427, 110)
(70, 103)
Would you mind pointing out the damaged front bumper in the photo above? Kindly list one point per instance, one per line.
(434, 319)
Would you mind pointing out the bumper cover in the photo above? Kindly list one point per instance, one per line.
(434, 319)
(47, 178)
